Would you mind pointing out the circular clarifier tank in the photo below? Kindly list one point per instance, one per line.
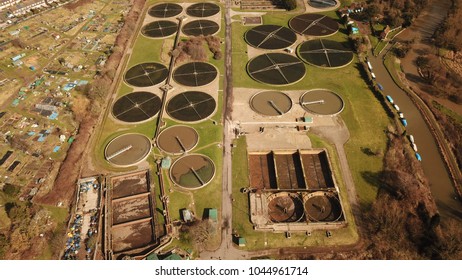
(136, 107)
(271, 103)
(177, 139)
(203, 9)
(322, 102)
(270, 37)
(194, 74)
(165, 10)
(192, 171)
(146, 74)
(276, 69)
(285, 207)
(127, 149)
(159, 29)
(191, 106)
(314, 25)
(323, 207)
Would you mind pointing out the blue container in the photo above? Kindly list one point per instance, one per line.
(404, 122)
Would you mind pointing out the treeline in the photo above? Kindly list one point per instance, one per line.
(395, 12)
(288, 4)
(449, 35)
(443, 81)
(403, 222)
(193, 49)
(452, 129)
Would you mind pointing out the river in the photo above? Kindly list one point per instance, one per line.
(433, 164)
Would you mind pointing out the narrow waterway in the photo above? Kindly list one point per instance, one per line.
(432, 162)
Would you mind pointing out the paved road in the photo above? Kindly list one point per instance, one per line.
(226, 249)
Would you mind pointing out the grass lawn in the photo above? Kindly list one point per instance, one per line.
(393, 33)
(145, 50)
(379, 47)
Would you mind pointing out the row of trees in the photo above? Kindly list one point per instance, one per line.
(394, 12)
(403, 222)
(289, 4)
(449, 34)
(194, 49)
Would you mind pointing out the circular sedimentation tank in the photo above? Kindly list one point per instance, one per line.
(276, 69)
(177, 139)
(127, 149)
(136, 107)
(200, 27)
(192, 171)
(270, 37)
(203, 9)
(194, 74)
(323, 207)
(146, 74)
(271, 103)
(325, 53)
(191, 106)
(165, 10)
(314, 25)
(322, 4)
(322, 102)
(159, 29)
(285, 207)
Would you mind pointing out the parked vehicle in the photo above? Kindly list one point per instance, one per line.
(390, 99)
(404, 122)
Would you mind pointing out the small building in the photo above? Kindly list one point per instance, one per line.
(187, 215)
(213, 214)
(18, 63)
(241, 241)
(166, 162)
(18, 57)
